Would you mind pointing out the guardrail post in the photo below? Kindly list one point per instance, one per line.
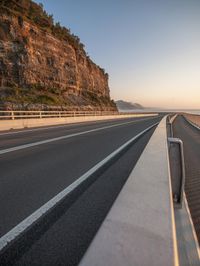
(40, 114)
(12, 115)
(59, 114)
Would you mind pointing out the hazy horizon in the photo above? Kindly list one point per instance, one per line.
(151, 49)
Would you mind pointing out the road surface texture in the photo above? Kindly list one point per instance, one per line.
(31, 176)
(191, 143)
(13, 138)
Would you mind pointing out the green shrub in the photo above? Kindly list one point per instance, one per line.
(45, 99)
(27, 9)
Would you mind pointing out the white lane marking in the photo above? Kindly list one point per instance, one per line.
(38, 129)
(25, 146)
(61, 126)
(26, 223)
(53, 127)
(191, 123)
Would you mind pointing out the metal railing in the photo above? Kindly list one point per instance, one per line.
(12, 115)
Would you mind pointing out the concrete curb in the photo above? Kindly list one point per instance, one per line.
(140, 227)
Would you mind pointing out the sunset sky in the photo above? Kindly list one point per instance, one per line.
(150, 48)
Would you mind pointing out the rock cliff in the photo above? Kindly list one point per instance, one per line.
(43, 65)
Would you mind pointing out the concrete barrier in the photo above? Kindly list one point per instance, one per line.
(32, 122)
(140, 227)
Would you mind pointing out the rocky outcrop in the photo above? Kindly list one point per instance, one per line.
(40, 69)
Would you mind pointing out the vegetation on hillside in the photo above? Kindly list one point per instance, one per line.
(28, 10)
(51, 98)
(35, 13)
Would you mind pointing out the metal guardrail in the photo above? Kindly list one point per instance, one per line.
(12, 115)
(177, 170)
(44, 114)
(177, 163)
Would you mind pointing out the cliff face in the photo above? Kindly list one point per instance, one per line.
(38, 69)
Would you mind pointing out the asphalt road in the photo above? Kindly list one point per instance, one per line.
(191, 142)
(33, 175)
(14, 138)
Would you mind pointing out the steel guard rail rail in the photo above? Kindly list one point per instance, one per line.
(50, 114)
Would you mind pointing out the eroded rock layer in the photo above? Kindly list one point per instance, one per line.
(41, 69)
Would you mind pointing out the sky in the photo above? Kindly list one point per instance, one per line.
(150, 48)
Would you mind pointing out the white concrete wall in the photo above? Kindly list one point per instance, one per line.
(32, 122)
(139, 230)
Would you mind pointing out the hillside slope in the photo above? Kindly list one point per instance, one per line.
(123, 105)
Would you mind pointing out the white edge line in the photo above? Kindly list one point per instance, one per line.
(55, 127)
(192, 224)
(25, 146)
(26, 223)
(191, 123)
(70, 124)
(44, 128)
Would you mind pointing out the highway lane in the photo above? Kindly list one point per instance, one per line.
(30, 177)
(66, 239)
(191, 142)
(14, 138)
